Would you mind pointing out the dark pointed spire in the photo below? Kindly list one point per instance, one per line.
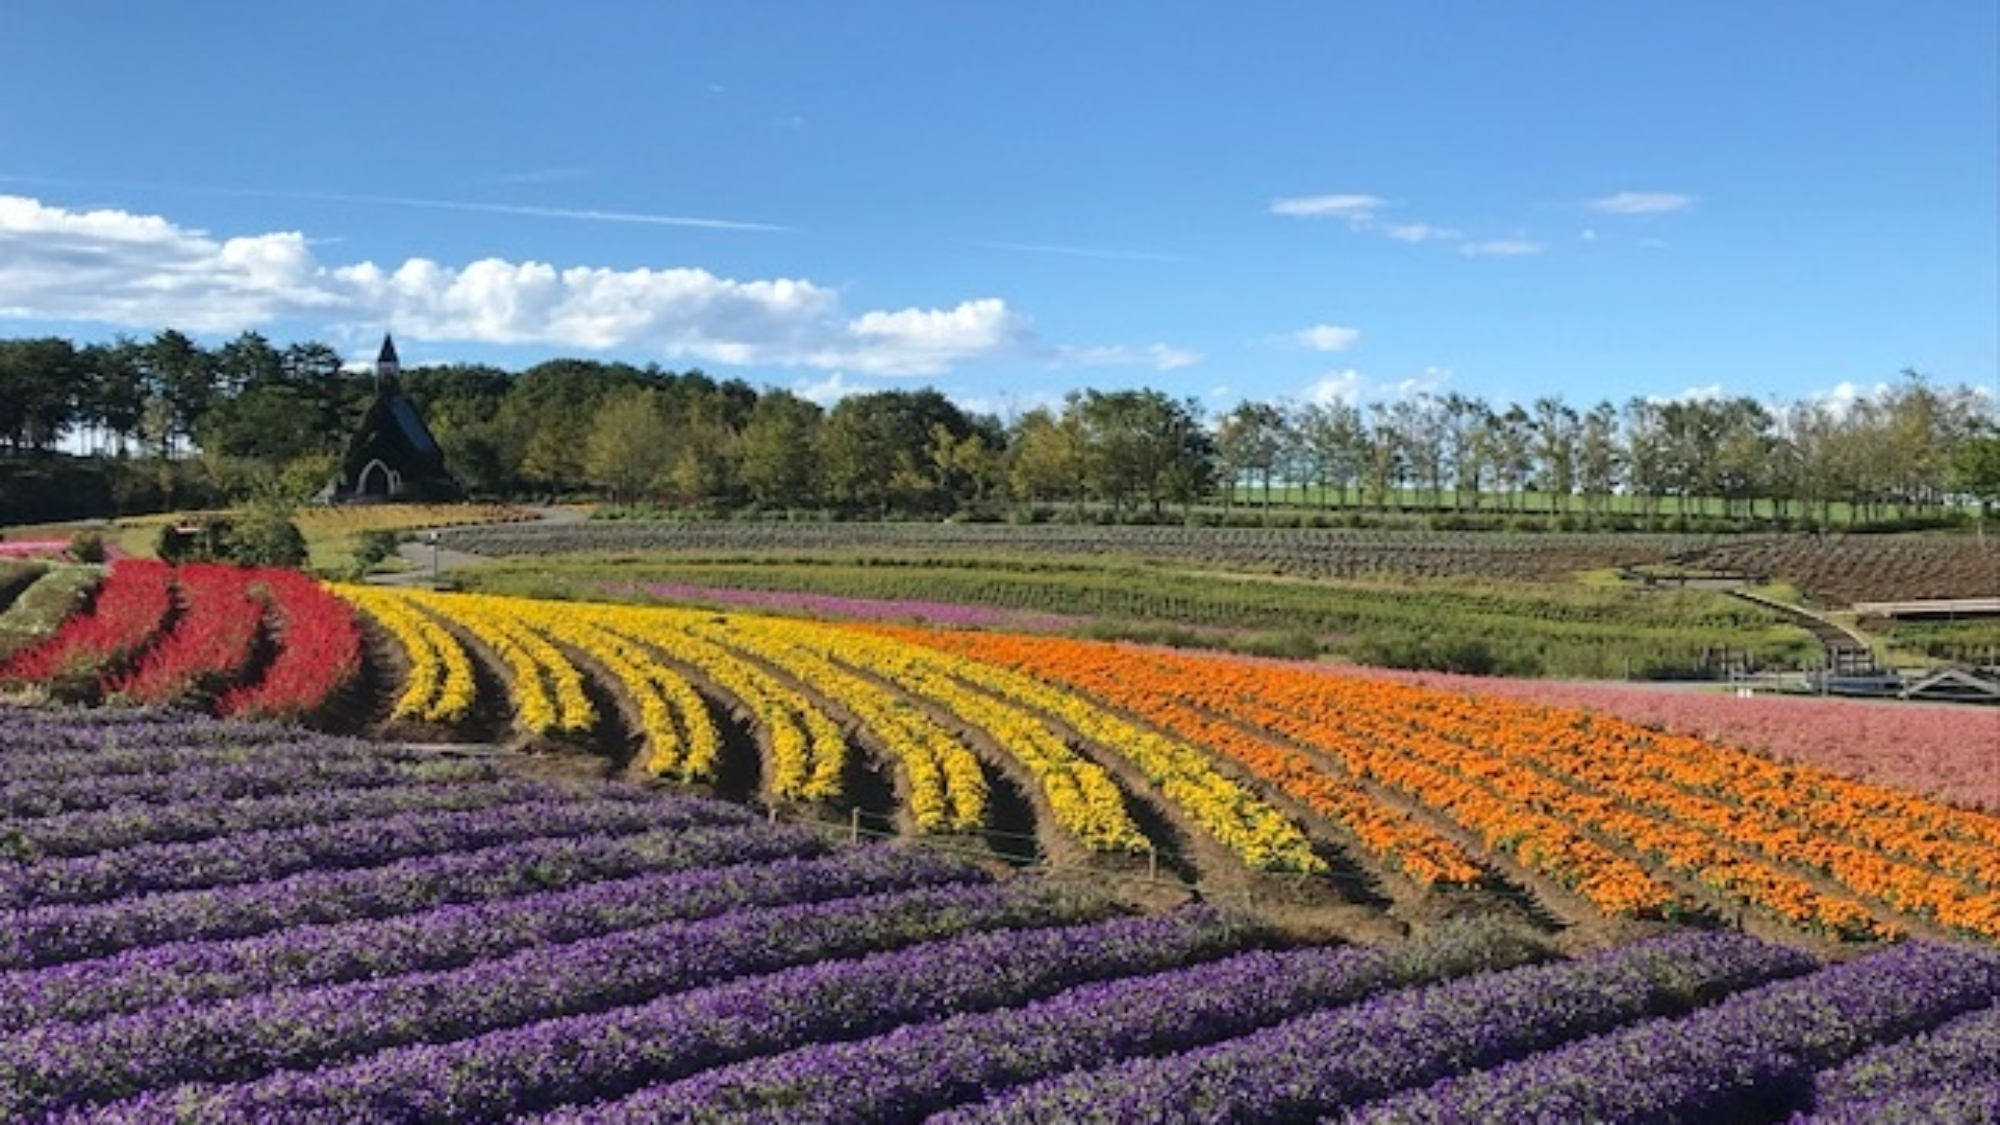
(387, 366)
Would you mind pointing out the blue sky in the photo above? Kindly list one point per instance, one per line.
(1778, 198)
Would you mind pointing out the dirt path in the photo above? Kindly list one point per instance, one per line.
(428, 560)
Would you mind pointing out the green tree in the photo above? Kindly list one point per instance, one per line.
(1250, 443)
(1142, 447)
(266, 536)
(39, 379)
(1598, 458)
(247, 362)
(271, 422)
(181, 386)
(778, 450)
(872, 446)
(705, 452)
(629, 446)
(1045, 458)
(1332, 440)
(1975, 469)
(112, 401)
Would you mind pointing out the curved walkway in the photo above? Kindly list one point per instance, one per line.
(428, 561)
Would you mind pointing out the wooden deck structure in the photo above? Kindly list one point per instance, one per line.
(1940, 607)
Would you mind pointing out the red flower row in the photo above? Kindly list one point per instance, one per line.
(208, 647)
(318, 650)
(131, 606)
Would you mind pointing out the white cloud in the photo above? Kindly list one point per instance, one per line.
(1351, 387)
(1421, 232)
(926, 341)
(829, 390)
(1845, 396)
(1501, 248)
(1363, 213)
(1353, 208)
(1326, 338)
(143, 271)
(1009, 405)
(585, 214)
(1430, 380)
(140, 270)
(1160, 357)
(1335, 387)
(1712, 392)
(1642, 203)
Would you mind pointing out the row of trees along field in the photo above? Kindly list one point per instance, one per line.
(247, 410)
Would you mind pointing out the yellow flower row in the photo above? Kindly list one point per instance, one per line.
(546, 689)
(945, 788)
(1295, 705)
(1256, 831)
(1082, 798)
(805, 752)
(1127, 680)
(681, 739)
(441, 687)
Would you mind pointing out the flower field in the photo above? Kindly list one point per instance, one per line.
(1425, 788)
(258, 642)
(222, 921)
(1225, 772)
(1944, 751)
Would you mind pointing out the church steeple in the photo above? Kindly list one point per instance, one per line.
(387, 366)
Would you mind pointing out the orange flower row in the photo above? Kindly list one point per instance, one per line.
(1604, 775)
(1584, 756)
(1392, 836)
(1580, 798)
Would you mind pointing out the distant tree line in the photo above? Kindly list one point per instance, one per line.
(234, 417)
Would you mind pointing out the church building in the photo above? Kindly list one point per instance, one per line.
(393, 455)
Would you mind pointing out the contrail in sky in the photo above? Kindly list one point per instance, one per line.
(572, 213)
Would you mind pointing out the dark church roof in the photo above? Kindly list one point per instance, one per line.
(394, 439)
(418, 435)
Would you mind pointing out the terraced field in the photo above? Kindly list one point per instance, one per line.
(1301, 552)
(234, 922)
(1842, 570)
(1385, 804)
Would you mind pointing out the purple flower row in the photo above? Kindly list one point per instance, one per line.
(684, 835)
(918, 1069)
(587, 1057)
(450, 936)
(80, 764)
(1313, 1065)
(31, 731)
(256, 857)
(1961, 1050)
(264, 775)
(867, 609)
(207, 816)
(1972, 1101)
(59, 1065)
(1751, 1057)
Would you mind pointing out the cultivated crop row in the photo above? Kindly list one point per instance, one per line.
(255, 642)
(1841, 570)
(695, 964)
(1614, 811)
(1306, 552)
(1434, 785)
